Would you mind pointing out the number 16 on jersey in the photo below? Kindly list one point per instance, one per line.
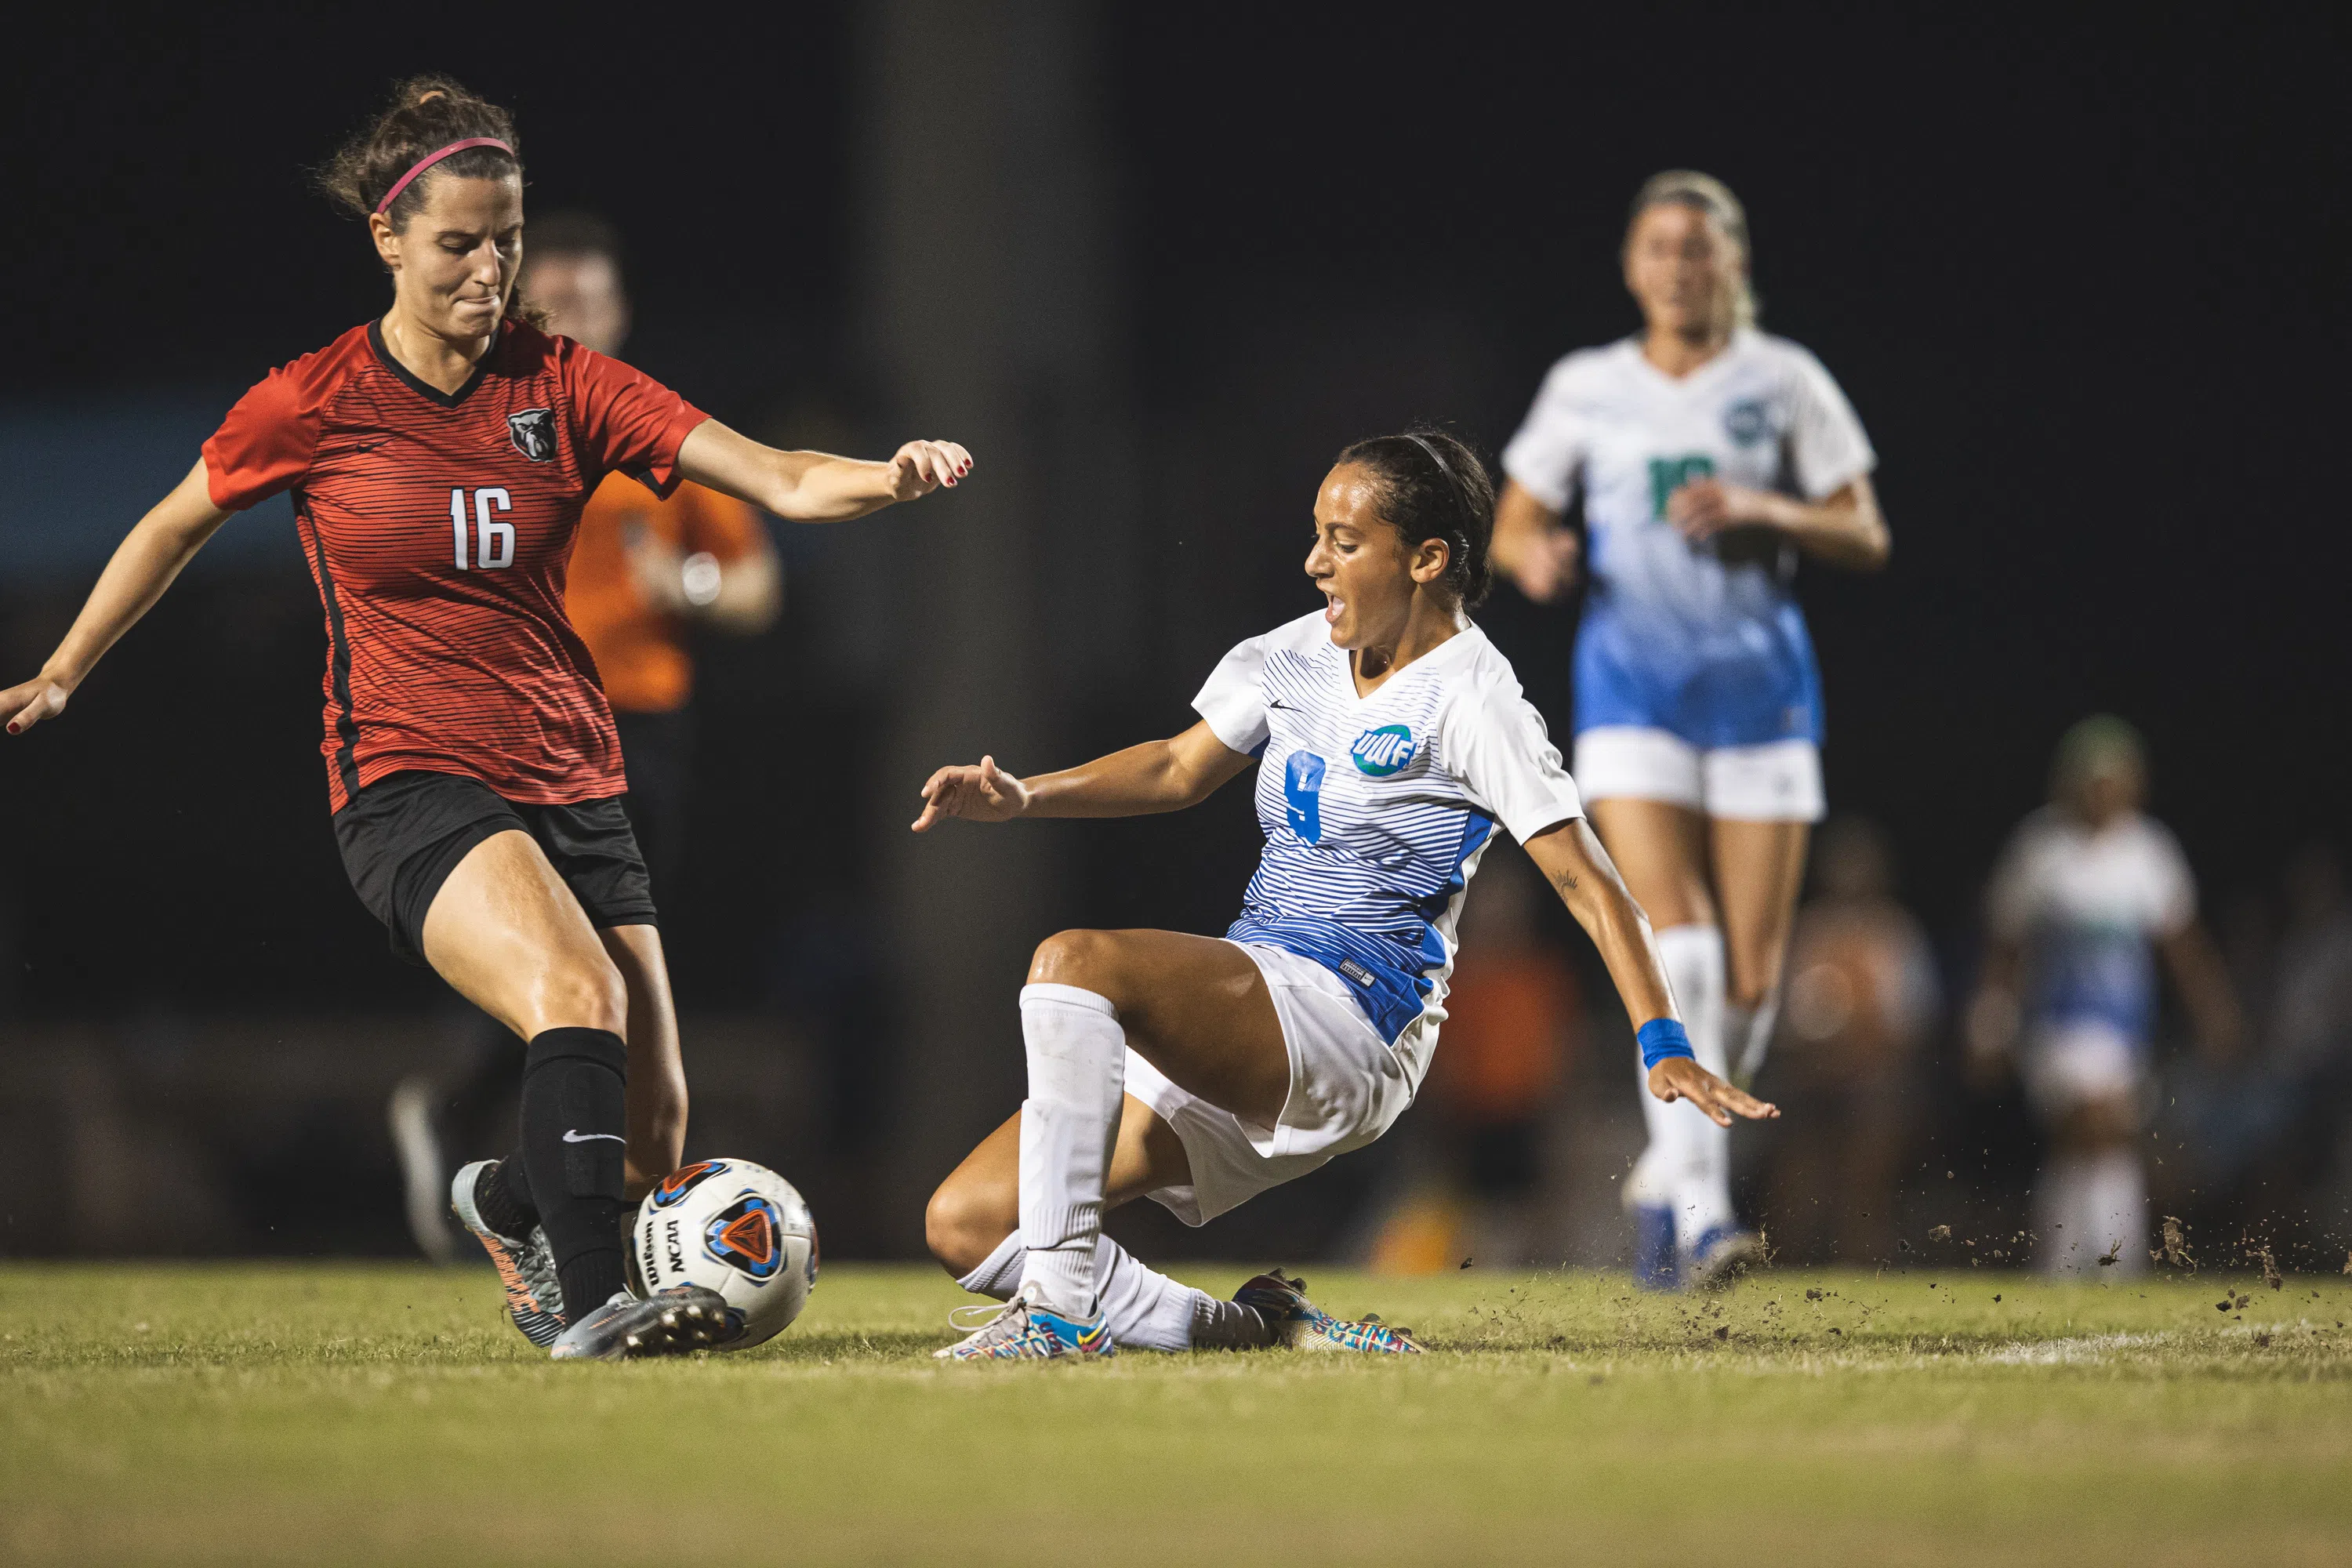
(494, 542)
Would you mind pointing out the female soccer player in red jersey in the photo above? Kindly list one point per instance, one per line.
(438, 458)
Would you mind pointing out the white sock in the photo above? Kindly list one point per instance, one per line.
(1687, 1166)
(1077, 1072)
(1143, 1309)
(2114, 1205)
(999, 1274)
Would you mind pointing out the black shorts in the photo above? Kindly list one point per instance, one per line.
(402, 834)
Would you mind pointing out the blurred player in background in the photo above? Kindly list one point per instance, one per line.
(1708, 456)
(646, 571)
(1862, 1001)
(438, 458)
(2086, 896)
(1391, 742)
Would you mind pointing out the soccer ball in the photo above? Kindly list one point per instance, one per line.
(736, 1228)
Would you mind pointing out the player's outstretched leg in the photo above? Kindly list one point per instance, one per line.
(1299, 1324)
(481, 1198)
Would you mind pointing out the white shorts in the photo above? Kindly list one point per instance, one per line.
(1348, 1086)
(2067, 1064)
(1780, 781)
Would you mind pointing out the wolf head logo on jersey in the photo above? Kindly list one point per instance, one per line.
(1385, 750)
(1302, 794)
(533, 431)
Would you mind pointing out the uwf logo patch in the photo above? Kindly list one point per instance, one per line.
(684, 1180)
(1302, 794)
(1385, 750)
(1747, 422)
(746, 1236)
(533, 431)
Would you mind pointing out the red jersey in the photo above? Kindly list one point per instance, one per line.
(438, 526)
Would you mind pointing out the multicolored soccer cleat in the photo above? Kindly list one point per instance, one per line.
(1299, 1324)
(526, 1268)
(1020, 1332)
(1722, 1255)
(675, 1321)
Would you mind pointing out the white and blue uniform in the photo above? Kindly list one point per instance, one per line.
(1695, 680)
(1375, 811)
(2087, 909)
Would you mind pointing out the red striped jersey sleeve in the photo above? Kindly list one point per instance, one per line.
(624, 420)
(266, 444)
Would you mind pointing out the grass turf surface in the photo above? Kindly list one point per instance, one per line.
(388, 1413)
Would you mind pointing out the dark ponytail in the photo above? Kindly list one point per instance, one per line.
(1433, 486)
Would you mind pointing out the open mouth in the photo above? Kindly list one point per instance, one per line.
(1333, 607)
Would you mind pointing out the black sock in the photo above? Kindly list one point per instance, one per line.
(574, 1124)
(503, 1195)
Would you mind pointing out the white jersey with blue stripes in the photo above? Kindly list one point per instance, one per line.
(1377, 808)
(1610, 425)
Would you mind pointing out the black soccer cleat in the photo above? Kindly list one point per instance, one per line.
(675, 1321)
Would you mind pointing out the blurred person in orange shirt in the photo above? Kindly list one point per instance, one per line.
(645, 572)
(1863, 998)
(1514, 1024)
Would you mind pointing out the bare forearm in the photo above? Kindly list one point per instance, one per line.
(1621, 932)
(1587, 881)
(143, 567)
(1839, 532)
(1531, 547)
(1141, 781)
(815, 487)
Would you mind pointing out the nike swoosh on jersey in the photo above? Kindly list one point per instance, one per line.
(576, 1136)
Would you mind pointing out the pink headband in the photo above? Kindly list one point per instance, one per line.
(430, 159)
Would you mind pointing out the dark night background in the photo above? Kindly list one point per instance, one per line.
(2082, 278)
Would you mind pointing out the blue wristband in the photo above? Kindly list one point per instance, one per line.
(1661, 1039)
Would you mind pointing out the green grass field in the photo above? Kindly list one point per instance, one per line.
(386, 1414)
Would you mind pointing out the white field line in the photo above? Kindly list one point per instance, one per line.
(2066, 1351)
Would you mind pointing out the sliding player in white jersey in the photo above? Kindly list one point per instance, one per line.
(1708, 455)
(1392, 740)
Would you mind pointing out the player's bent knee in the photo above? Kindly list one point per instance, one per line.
(964, 1223)
(1080, 958)
(586, 994)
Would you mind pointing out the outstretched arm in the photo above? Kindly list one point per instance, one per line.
(1159, 776)
(1572, 860)
(144, 564)
(813, 487)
